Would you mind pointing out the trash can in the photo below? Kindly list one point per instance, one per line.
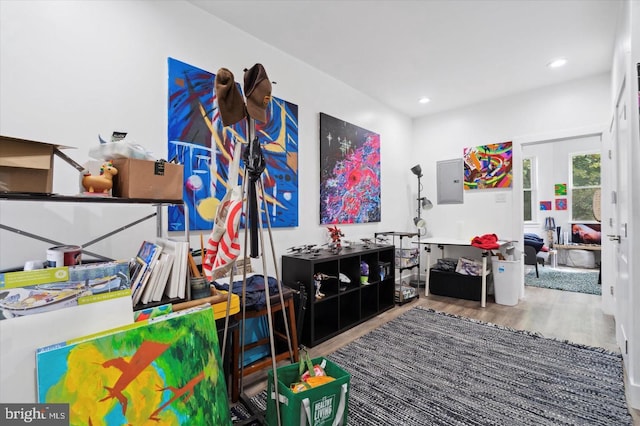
(506, 285)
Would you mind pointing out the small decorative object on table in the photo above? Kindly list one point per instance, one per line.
(102, 183)
(364, 273)
(304, 249)
(317, 283)
(344, 281)
(550, 227)
(335, 245)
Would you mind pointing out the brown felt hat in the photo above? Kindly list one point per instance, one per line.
(257, 89)
(230, 102)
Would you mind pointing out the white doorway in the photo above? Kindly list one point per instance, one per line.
(522, 146)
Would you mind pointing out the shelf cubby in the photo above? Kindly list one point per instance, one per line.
(344, 305)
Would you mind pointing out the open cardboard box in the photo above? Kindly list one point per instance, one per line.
(147, 179)
(27, 166)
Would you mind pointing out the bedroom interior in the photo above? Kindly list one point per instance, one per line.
(147, 68)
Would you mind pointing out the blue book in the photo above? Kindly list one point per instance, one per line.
(142, 266)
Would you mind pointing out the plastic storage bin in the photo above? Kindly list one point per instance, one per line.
(506, 280)
(453, 284)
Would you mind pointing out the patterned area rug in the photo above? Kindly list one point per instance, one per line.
(563, 279)
(431, 368)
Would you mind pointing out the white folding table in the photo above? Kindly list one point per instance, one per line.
(442, 242)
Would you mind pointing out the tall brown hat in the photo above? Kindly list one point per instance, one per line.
(257, 88)
(230, 102)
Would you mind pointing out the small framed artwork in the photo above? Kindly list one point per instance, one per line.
(545, 205)
(561, 203)
(560, 189)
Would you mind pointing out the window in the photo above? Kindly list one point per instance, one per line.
(528, 186)
(585, 180)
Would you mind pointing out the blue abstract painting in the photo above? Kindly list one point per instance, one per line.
(198, 140)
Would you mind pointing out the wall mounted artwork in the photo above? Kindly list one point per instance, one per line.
(349, 173)
(163, 371)
(488, 166)
(545, 205)
(560, 189)
(199, 141)
(561, 203)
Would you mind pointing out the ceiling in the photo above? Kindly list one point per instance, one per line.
(455, 52)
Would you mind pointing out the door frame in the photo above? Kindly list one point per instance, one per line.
(599, 130)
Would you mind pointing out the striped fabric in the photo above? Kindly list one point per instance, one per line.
(223, 246)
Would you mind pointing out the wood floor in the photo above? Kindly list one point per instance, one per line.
(555, 314)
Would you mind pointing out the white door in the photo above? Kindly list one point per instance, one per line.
(619, 198)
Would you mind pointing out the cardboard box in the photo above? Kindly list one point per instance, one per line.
(26, 166)
(154, 180)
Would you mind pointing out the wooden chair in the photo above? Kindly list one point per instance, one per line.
(280, 336)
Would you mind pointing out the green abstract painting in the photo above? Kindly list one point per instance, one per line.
(162, 371)
(560, 189)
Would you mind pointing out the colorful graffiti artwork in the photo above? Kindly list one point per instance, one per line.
(161, 371)
(349, 173)
(198, 140)
(488, 166)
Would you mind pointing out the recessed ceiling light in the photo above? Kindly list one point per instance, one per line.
(557, 63)
(424, 100)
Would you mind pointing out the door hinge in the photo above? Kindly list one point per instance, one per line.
(614, 198)
(611, 289)
(625, 230)
(610, 155)
(626, 346)
(610, 222)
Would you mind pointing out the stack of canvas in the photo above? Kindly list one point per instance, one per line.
(159, 269)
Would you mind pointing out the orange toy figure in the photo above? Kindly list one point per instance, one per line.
(102, 183)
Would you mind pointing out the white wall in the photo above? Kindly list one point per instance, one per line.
(531, 116)
(70, 70)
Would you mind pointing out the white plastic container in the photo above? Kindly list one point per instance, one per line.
(506, 274)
